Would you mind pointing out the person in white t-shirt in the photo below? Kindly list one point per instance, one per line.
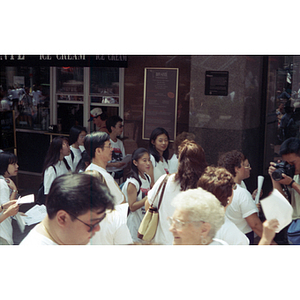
(76, 139)
(197, 217)
(98, 146)
(76, 204)
(55, 162)
(191, 166)
(136, 188)
(242, 211)
(220, 183)
(159, 153)
(115, 128)
(8, 194)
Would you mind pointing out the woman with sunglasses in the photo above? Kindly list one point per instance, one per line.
(197, 217)
(220, 183)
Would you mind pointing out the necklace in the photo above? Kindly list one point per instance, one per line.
(51, 237)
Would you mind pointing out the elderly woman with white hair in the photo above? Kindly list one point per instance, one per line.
(198, 216)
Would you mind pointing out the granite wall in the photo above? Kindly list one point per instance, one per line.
(224, 123)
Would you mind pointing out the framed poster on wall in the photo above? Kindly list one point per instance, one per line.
(160, 100)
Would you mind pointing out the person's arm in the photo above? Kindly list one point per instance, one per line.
(255, 223)
(268, 234)
(8, 209)
(13, 187)
(117, 164)
(132, 196)
(151, 174)
(276, 184)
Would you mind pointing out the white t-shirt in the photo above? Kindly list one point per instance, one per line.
(163, 236)
(113, 230)
(111, 183)
(77, 157)
(241, 207)
(50, 174)
(117, 155)
(216, 241)
(173, 164)
(6, 230)
(231, 234)
(159, 168)
(135, 218)
(34, 238)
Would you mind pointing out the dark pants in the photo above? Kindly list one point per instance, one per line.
(250, 236)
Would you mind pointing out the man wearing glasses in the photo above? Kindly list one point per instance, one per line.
(76, 204)
(114, 228)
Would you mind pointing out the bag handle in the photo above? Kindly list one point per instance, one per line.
(163, 186)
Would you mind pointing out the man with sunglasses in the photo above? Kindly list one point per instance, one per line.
(76, 204)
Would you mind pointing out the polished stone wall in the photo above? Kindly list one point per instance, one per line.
(224, 123)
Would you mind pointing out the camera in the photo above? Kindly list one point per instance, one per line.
(283, 168)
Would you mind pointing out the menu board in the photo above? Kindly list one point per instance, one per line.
(7, 130)
(160, 100)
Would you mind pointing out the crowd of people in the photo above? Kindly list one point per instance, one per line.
(200, 205)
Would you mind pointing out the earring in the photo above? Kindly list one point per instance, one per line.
(203, 241)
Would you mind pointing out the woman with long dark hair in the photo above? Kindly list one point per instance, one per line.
(76, 139)
(191, 166)
(55, 162)
(8, 194)
(136, 188)
(159, 153)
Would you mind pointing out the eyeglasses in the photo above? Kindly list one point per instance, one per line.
(180, 224)
(247, 166)
(110, 147)
(91, 226)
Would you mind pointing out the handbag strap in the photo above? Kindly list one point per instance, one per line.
(162, 186)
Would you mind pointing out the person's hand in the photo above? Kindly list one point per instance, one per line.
(8, 204)
(11, 184)
(12, 210)
(255, 192)
(271, 169)
(286, 180)
(269, 228)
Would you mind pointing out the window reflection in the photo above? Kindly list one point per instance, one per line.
(27, 91)
(69, 80)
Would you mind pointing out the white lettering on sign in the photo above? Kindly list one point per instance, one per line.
(45, 57)
(70, 57)
(12, 57)
(100, 57)
(117, 57)
(161, 74)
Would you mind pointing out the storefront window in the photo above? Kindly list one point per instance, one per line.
(27, 91)
(69, 93)
(104, 90)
